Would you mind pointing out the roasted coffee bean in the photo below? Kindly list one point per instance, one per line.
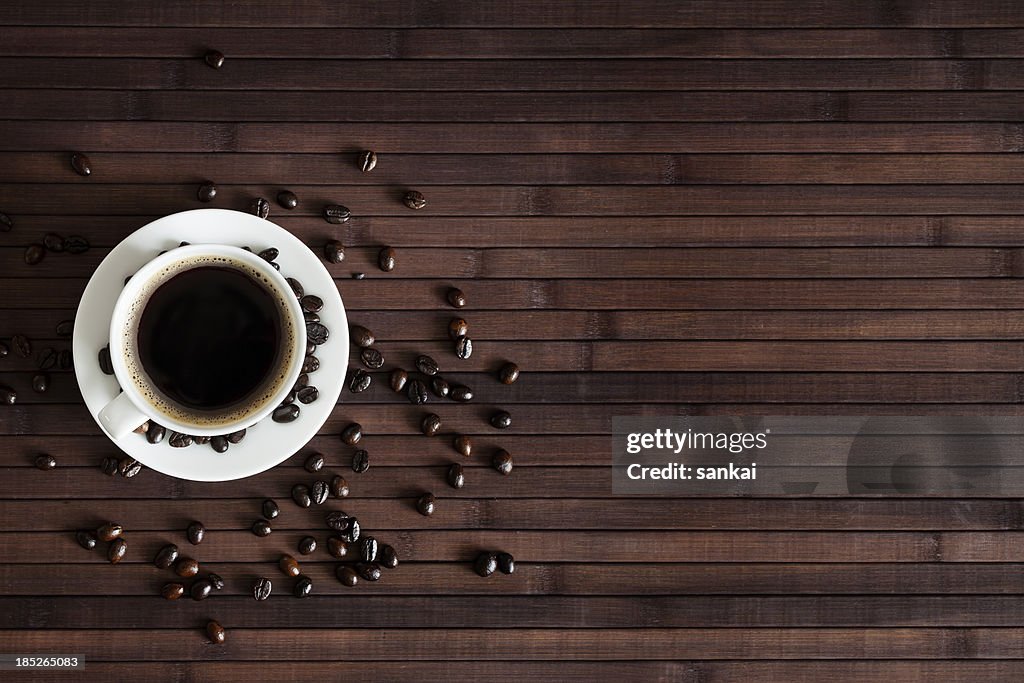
(86, 539)
(463, 445)
(289, 565)
(314, 463)
(334, 251)
(360, 461)
(361, 336)
(207, 192)
(506, 563)
(319, 491)
(417, 392)
(219, 444)
(270, 509)
(22, 345)
(47, 359)
(261, 527)
(312, 303)
(296, 287)
(501, 420)
(269, 254)
(358, 276)
(129, 467)
(142, 428)
(368, 570)
(8, 396)
(386, 259)
(502, 461)
(286, 413)
(346, 575)
(367, 161)
(300, 494)
(201, 589)
(45, 462)
(425, 504)
(415, 200)
(215, 632)
(338, 520)
(236, 437)
(214, 59)
(372, 358)
(40, 383)
(109, 531)
(398, 378)
(352, 434)
(485, 564)
(440, 387)
(317, 333)
(196, 532)
(201, 440)
(368, 548)
(456, 476)
(461, 393)
(457, 327)
(307, 395)
(155, 434)
(4, 350)
(53, 242)
(336, 214)
(337, 547)
(216, 581)
(5, 223)
(65, 328)
(303, 587)
(65, 360)
(508, 373)
(186, 567)
(105, 364)
(456, 297)
(388, 556)
(339, 487)
(289, 398)
(116, 550)
(261, 588)
(431, 424)
(172, 591)
(179, 440)
(352, 535)
(287, 199)
(183, 244)
(166, 556)
(260, 207)
(81, 163)
(463, 347)
(427, 365)
(310, 317)
(109, 466)
(307, 545)
(360, 381)
(310, 350)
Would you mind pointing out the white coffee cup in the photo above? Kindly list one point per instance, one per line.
(140, 401)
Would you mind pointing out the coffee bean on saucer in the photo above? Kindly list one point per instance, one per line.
(215, 632)
(346, 575)
(219, 444)
(214, 59)
(201, 589)
(320, 491)
(65, 328)
(196, 532)
(183, 244)
(207, 192)
(314, 463)
(86, 539)
(166, 556)
(397, 379)
(426, 365)
(310, 317)
(66, 360)
(5, 223)
(463, 445)
(386, 259)
(270, 509)
(201, 440)
(508, 373)
(22, 345)
(269, 254)
(336, 214)
(439, 385)
(461, 393)
(155, 434)
(485, 564)
(179, 440)
(236, 437)
(34, 253)
(310, 350)
(109, 531)
(261, 527)
(360, 381)
(368, 570)
(425, 504)
(109, 466)
(40, 383)
(186, 567)
(506, 563)
(296, 286)
(361, 336)
(307, 545)
(358, 276)
(312, 303)
(457, 327)
(463, 347)
(456, 476)
(337, 547)
(47, 359)
(415, 200)
(285, 413)
(352, 434)
(372, 358)
(360, 461)
(105, 364)
(287, 199)
(388, 556)
(261, 588)
(303, 587)
(334, 252)
(367, 161)
(172, 591)
(431, 424)
(367, 548)
(116, 550)
(216, 581)
(289, 565)
(317, 333)
(300, 494)
(80, 162)
(8, 396)
(501, 420)
(502, 461)
(129, 467)
(260, 207)
(307, 395)
(339, 487)
(417, 392)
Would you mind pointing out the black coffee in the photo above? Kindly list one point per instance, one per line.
(209, 337)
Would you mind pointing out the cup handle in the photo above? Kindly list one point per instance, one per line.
(120, 416)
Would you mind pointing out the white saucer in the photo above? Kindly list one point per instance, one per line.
(267, 443)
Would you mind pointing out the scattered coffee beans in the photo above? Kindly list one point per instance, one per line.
(358, 276)
(307, 545)
(463, 444)
(310, 364)
(129, 467)
(201, 589)
(261, 527)
(236, 437)
(337, 547)
(352, 434)
(319, 492)
(289, 565)
(372, 358)
(398, 378)
(284, 414)
(22, 345)
(307, 395)
(179, 440)
(207, 192)
(485, 564)
(367, 161)
(116, 550)
(4, 350)
(47, 359)
(65, 328)
(457, 327)
(46, 462)
(269, 254)
(368, 570)
(439, 385)
(427, 365)
(336, 214)
(456, 476)
(166, 556)
(317, 333)
(81, 163)
(53, 242)
(109, 531)
(219, 444)
(334, 251)
(287, 199)
(361, 336)
(214, 59)
(417, 392)
(109, 466)
(346, 575)
(508, 373)
(312, 303)
(314, 463)
(506, 563)
(76, 244)
(300, 494)
(463, 347)
(303, 587)
(425, 504)
(415, 200)
(105, 365)
(5, 223)
(501, 420)
(66, 360)
(86, 539)
(386, 259)
(360, 381)
(196, 532)
(172, 591)
(461, 393)
(34, 253)
(216, 581)
(260, 207)
(360, 461)
(215, 632)
(502, 461)
(339, 487)
(7, 395)
(456, 298)
(155, 433)
(431, 424)
(261, 588)
(186, 567)
(388, 556)
(339, 520)
(368, 548)
(270, 509)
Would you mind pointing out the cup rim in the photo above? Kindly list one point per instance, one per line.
(131, 290)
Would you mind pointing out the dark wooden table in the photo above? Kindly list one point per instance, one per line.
(655, 208)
